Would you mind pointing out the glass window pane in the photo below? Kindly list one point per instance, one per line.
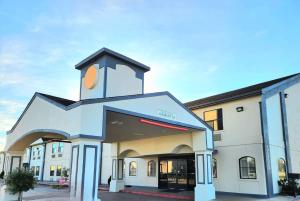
(247, 168)
(132, 168)
(210, 115)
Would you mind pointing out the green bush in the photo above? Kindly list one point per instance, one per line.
(289, 187)
(18, 181)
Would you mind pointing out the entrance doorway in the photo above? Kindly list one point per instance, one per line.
(177, 172)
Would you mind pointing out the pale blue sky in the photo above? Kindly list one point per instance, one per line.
(195, 48)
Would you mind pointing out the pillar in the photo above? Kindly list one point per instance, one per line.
(117, 181)
(203, 147)
(85, 159)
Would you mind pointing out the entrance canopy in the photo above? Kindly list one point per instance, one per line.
(107, 119)
(123, 125)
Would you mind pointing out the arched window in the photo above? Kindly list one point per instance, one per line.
(151, 172)
(247, 168)
(281, 169)
(214, 166)
(132, 168)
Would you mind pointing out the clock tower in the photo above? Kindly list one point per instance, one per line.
(107, 74)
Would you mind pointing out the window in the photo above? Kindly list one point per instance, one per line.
(37, 171)
(58, 170)
(61, 147)
(32, 169)
(281, 169)
(151, 168)
(38, 151)
(52, 170)
(247, 168)
(53, 148)
(132, 168)
(214, 118)
(214, 167)
(33, 153)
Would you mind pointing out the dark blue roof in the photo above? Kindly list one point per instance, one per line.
(106, 51)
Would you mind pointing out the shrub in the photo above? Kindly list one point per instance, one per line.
(289, 187)
(18, 181)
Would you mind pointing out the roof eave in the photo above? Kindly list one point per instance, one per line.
(107, 51)
(225, 100)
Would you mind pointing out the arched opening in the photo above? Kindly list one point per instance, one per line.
(18, 154)
(281, 169)
(182, 149)
(129, 154)
(26, 139)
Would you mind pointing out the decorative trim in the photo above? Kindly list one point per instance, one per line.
(77, 158)
(114, 169)
(203, 164)
(266, 147)
(285, 132)
(208, 161)
(44, 160)
(281, 86)
(105, 81)
(85, 136)
(120, 167)
(85, 147)
(101, 162)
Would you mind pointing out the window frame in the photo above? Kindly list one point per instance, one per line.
(53, 148)
(240, 168)
(153, 168)
(58, 170)
(129, 169)
(37, 171)
(60, 148)
(218, 119)
(52, 170)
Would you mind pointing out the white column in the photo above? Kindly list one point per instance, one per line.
(203, 147)
(204, 189)
(85, 162)
(117, 181)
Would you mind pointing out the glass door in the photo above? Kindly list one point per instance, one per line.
(173, 174)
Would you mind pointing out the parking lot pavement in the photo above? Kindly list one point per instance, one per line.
(44, 193)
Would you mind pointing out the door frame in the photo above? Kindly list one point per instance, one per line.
(174, 157)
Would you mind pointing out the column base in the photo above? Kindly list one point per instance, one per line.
(6, 196)
(116, 185)
(205, 192)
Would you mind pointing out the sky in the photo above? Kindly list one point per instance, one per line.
(194, 48)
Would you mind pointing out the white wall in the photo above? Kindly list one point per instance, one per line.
(141, 179)
(228, 174)
(293, 119)
(122, 81)
(240, 137)
(64, 160)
